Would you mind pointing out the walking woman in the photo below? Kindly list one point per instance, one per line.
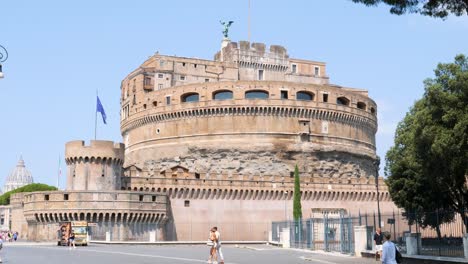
(213, 258)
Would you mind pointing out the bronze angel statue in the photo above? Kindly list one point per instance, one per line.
(226, 26)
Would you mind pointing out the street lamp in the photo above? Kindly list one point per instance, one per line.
(3, 57)
(376, 165)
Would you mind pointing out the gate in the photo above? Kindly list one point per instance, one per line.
(327, 234)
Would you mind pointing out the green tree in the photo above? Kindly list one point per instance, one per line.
(33, 187)
(427, 167)
(434, 8)
(297, 207)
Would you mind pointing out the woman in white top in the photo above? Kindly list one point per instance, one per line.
(388, 250)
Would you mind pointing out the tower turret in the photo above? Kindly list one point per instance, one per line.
(97, 167)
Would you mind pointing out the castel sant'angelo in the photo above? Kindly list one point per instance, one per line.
(215, 142)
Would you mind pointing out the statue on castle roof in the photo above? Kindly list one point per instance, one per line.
(226, 26)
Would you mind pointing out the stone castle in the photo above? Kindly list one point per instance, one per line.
(215, 142)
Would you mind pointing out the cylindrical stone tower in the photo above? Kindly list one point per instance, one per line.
(97, 167)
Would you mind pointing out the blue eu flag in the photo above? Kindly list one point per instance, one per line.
(100, 109)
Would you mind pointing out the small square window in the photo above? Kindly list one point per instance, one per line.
(160, 75)
(46, 197)
(65, 196)
(160, 86)
(284, 94)
(207, 80)
(325, 98)
(182, 78)
(197, 175)
(187, 203)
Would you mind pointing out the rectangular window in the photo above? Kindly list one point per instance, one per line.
(183, 64)
(153, 198)
(46, 197)
(187, 203)
(294, 68)
(160, 75)
(284, 94)
(161, 63)
(141, 198)
(260, 75)
(207, 80)
(325, 98)
(168, 100)
(160, 86)
(291, 174)
(195, 65)
(317, 71)
(147, 81)
(197, 175)
(182, 78)
(65, 196)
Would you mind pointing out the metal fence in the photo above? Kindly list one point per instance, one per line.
(447, 242)
(334, 234)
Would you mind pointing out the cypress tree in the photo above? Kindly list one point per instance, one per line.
(297, 208)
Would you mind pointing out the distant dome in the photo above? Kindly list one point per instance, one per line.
(19, 177)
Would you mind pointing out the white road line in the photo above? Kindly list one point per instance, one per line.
(142, 255)
(318, 260)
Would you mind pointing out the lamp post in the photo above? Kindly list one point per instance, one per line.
(377, 164)
(3, 58)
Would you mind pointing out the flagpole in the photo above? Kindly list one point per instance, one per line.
(95, 118)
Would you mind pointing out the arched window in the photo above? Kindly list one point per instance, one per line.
(256, 94)
(189, 97)
(372, 110)
(306, 96)
(342, 101)
(222, 95)
(361, 105)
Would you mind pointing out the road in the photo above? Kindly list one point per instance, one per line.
(129, 254)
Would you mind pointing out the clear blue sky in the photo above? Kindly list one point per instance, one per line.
(62, 51)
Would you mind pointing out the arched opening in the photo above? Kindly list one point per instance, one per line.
(256, 94)
(222, 95)
(342, 101)
(372, 110)
(305, 96)
(189, 97)
(361, 105)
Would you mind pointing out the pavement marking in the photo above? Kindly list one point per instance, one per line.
(318, 260)
(140, 255)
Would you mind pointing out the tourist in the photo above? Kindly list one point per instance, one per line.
(378, 237)
(218, 245)
(15, 236)
(388, 250)
(71, 240)
(213, 258)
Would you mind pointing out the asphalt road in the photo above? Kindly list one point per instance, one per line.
(115, 254)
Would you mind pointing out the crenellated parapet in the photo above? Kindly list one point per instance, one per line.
(97, 166)
(117, 206)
